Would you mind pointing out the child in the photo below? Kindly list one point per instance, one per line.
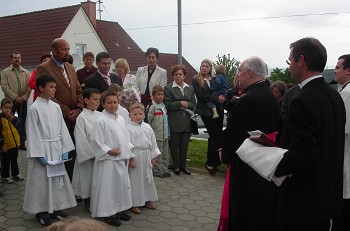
(158, 119)
(121, 110)
(218, 87)
(110, 189)
(9, 142)
(84, 162)
(48, 140)
(145, 148)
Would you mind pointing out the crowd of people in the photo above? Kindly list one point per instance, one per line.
(102, 137)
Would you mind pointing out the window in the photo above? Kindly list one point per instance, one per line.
(81, 49)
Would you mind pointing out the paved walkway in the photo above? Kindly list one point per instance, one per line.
(185, 203)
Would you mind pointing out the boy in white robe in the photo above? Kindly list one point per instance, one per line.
(48, 140)
(123, 112)
(110, 192)
(84, 163)
(145, 148)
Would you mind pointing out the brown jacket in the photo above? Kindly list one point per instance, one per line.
(68, 97)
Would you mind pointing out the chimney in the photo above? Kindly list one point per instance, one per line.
(90, 10)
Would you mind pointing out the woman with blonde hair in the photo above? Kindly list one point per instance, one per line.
(201, 84)
(131, 91)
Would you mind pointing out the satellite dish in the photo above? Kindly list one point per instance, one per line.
(77, 61)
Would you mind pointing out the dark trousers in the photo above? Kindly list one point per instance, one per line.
(342, 222)
(214, 128)
(324, 226)
(9, 158)
(69, 165)
(21, 109)
(178, 144)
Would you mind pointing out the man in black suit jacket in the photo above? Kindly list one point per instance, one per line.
(102, 79)
(252, 199)
(314, 136)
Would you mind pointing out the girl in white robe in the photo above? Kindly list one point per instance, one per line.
(84, 163)
(110, 192)
(145, 148)
(48, 138)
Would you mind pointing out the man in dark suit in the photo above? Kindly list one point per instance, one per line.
(102, 79)
(68, 90)
(314, 136)
(252, 199)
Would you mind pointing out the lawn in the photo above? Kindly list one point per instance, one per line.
(197, 155)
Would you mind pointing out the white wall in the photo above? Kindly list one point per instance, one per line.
(81, 31)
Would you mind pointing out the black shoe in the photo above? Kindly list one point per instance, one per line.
(123, 216)
(59, 215)
(43, 218)
(22, 147)
(166, 174)
(112, 220)
(185, 170)
(177, 171)
(211, 170)
(78, 199)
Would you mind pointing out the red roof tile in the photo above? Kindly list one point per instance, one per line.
(31, 34)
(166, 61)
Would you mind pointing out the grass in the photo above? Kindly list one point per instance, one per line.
(197, 155)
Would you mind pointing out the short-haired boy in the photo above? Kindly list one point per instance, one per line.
(145, 148)
(158, 119)
(110, 191)
(122, 111)
(84, 163)
(9, 142)
(48, 140)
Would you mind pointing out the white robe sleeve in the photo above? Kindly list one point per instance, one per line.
(35, 146)
(98, 141)
(83, 146)
(263, 160)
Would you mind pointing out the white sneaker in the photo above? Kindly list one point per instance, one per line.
(7, 180)
(19, 177)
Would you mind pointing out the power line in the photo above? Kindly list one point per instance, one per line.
(241, 19)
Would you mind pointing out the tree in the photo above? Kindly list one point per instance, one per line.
(278, 74)
(231, 66)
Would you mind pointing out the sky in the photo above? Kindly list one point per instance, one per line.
(241, 28)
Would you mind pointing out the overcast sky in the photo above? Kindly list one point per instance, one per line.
(241, 28)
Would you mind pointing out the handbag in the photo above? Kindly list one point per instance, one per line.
(194, 125)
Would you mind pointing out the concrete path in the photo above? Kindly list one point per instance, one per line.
(185, 203)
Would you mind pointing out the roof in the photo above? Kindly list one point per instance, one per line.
(166, 61)
(31, 34)
(119, 44)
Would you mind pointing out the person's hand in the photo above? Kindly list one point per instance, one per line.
(18, 99)
(3, 149)
(114, 152)
(9, 116)
(153, 161)
(221, 99)
(184, 104)
(73, 114)
(220, 153)
(132, 163)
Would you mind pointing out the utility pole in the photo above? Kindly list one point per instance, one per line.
(179, 33)
(99, 8)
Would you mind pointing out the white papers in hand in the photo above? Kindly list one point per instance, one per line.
(56, 168)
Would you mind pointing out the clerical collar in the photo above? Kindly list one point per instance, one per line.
(344, 85)
(254, 84)
(306, 81)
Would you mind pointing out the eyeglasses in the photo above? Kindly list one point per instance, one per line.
(288, 61)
